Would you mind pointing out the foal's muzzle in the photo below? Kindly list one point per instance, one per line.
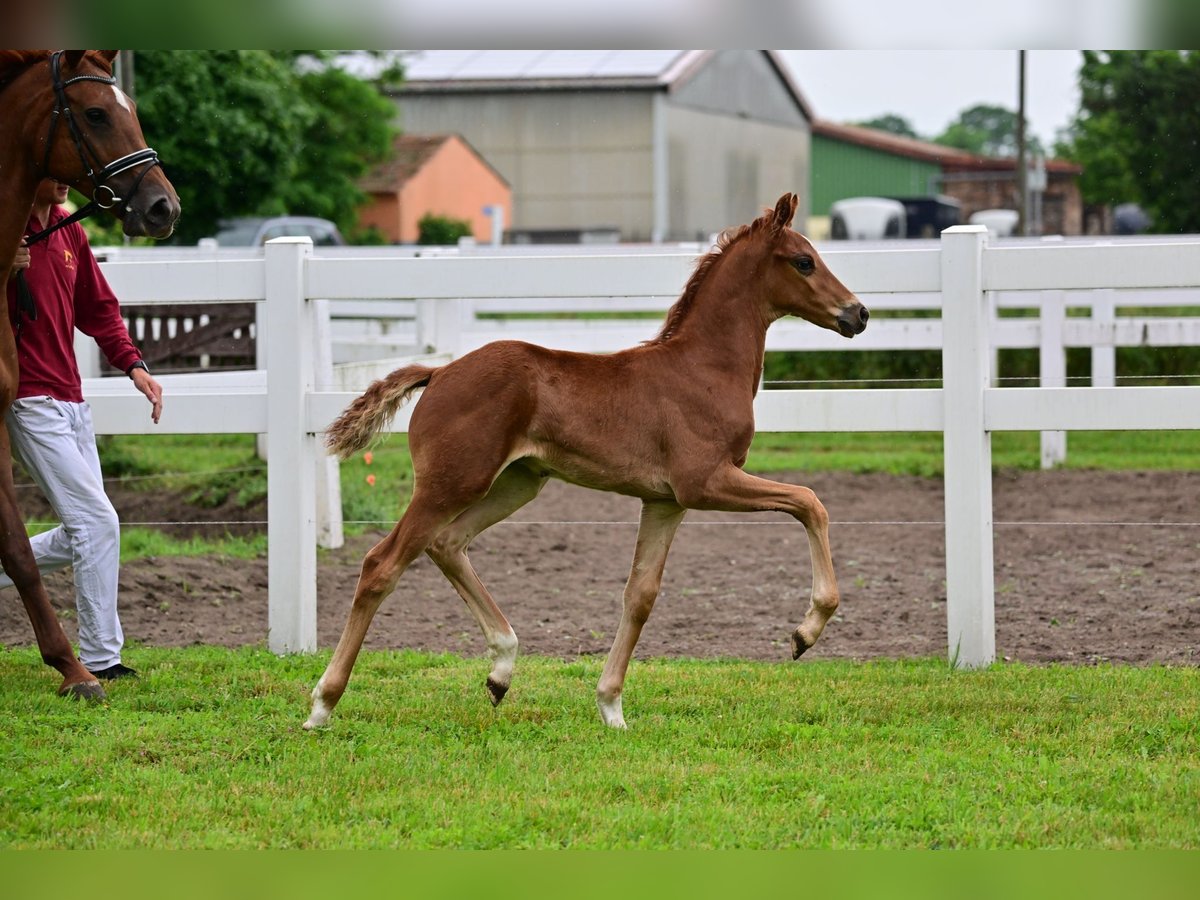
(852, 320)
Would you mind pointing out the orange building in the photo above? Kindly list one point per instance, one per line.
(440, 174)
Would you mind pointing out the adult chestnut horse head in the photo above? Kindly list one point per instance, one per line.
(63, 117)
(669, 421)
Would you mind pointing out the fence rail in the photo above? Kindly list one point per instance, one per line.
(289, 397)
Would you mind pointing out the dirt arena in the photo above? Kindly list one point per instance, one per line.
(1064, 592)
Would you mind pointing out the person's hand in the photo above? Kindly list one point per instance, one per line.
(21, 260)
(144, 382)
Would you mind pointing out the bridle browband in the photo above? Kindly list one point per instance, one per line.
(103, 196)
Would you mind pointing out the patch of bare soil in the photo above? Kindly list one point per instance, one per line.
(735, 585)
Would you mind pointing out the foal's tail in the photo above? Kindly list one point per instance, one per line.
(363, 419)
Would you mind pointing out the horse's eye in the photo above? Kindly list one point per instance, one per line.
(95, 116)
(804, 265)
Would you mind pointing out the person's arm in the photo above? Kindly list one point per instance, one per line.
(98, 314)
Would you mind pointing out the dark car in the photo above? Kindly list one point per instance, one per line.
(254, 232)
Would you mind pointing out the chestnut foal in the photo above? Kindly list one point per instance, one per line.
(669, 421)
(64, 118)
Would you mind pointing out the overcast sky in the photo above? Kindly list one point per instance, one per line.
(931, 87)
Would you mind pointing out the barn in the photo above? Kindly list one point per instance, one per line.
(646, 145)
(853, 161)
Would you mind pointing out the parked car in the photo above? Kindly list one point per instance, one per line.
(867, 219)
(999, 222)
(254, 232)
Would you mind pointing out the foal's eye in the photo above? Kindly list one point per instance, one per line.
(95, 116)
(804, 265)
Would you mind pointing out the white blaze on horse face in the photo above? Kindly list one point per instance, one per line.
(122, 100)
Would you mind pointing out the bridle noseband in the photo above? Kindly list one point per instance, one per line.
(103, 196)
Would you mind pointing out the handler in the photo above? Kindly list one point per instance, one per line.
(50, 425)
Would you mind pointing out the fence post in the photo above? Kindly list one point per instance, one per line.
(328, 471)
(291, 500)
(966, 373)
(1052, 368)
(440, 324)
(1104, 350)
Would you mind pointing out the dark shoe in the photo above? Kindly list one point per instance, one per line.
(114, 672)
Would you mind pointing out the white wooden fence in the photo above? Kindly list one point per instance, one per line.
(286, 401)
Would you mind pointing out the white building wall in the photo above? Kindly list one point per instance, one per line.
(723, 170)
(575, 159)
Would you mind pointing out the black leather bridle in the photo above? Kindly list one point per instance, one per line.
(103, 196)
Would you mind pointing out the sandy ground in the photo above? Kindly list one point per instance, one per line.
(734, 586)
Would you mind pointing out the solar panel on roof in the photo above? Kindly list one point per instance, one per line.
(445, 65)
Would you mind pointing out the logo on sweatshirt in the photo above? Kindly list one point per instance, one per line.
(68, 259)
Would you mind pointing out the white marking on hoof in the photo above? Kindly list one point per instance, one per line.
(503, 650)
(319, 717)
(610, 712)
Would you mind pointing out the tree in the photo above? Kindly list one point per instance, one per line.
(986, 130)
(351, 129)
(1138, 131)
(891, 123)
(249, 132)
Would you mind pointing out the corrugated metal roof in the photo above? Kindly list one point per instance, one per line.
(537, 65)
(452, 71)
(949, 158)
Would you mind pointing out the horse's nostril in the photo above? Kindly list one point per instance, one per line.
(863, 314)
(162, 212)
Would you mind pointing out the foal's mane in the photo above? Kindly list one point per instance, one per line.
(681, 307)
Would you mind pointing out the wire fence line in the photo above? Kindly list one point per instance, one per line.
(624, 523)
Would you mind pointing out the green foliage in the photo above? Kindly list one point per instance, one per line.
(1137, 131)
(252, 132)
(719, 754)
(891, 123)
(351, 129)
(987, 130)
(436, 230)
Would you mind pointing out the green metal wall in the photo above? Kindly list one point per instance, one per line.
(841, 170)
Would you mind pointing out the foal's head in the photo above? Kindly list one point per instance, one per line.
(797, 281)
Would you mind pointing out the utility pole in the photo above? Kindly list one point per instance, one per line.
(124, 73)
(1022, 174)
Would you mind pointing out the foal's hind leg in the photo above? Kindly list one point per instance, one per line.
(515, 487)
(660, 520)
(381, 569)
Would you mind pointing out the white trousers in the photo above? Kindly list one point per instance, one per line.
(56, 443)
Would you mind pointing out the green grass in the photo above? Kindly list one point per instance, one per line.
(206, 751)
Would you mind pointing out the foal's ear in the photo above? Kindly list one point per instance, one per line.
(74, 58)
(785, 211)
(108, 56)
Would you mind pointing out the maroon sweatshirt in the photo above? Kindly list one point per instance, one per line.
(70, 292)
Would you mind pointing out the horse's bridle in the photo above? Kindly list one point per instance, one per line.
(103, 196)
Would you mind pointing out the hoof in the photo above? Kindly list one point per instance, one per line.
(496, 691)
(798, 645)
(91, 691)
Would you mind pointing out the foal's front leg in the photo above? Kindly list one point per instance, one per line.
(732, 490)
(660, 520)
